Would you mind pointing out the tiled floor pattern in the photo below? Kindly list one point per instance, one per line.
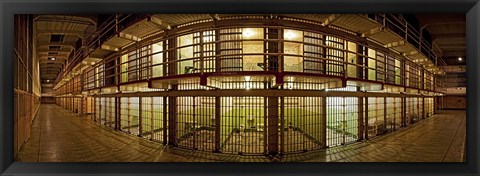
(61, 136)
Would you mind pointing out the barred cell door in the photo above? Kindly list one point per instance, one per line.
(196, 123)
(130, 115)
(103, 108)
(301, 122)
(110, 119)
(152, 118)
(342, 120)
(243, 128)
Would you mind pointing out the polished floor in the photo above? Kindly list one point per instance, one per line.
(61, 136)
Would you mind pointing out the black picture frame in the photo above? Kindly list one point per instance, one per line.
(8, 8)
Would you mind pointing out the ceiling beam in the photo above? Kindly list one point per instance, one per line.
(330, 19)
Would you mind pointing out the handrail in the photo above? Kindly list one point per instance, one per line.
(411, 33)
(108, 26)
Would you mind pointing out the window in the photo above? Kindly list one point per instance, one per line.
(185, 66)
(352, 60)
(335, 56)
(372, 64)
(157, 59)
(250, 49)
(293, 63)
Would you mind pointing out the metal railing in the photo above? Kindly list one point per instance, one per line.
(95, 37)
(227, 47)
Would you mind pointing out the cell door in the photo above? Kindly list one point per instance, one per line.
(104, 107)
(110, 112)
(196, 123)
(412, 110)
(129, 115)
(301, 126)
(376, 116)
(342, 120)
(152, 118)
(394, 113)
(243, 125)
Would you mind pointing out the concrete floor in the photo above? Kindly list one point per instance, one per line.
(61, 136)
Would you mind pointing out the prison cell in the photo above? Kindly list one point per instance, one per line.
(342, 120)
(98, 109)
(412, 110)
(153, 118)
(87, 106)
(130, 115)
(420, 108)
(196, 122)
(394, 113)
(376, 116)
(429, 101)
(77, 105)
(243, 125)
(301, 124)
(110, 112)
(104, 115)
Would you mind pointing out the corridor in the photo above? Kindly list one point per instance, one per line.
(61, 136)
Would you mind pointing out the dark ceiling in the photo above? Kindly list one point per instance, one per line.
(448, 35)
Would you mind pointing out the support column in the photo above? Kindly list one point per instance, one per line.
(272, 118)
(365, 130)
(171, 56)
(94, 109)
(423, 106)
(404, 111)
(324, 122)
(273, 47)
(360, 118)
(165, 120)
(385, 114)
(172, 120)
(152, 116)
(117, 113)
(282, 124)
(217, 124)
(140, 120)
(106, 109)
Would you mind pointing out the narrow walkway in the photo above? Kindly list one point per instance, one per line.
(61, 136)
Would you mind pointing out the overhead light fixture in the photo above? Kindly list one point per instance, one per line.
(52, 58)
(289, 35)
(248, 32)
(48, 80)
(460, 59)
